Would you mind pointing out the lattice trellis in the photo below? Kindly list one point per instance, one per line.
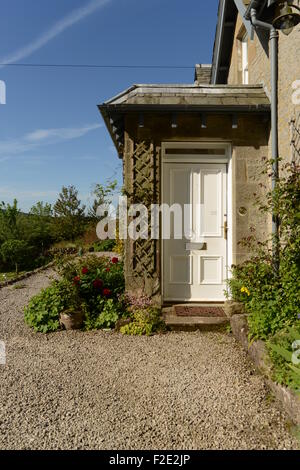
(144, 191)
(295, 139)
(143, 165)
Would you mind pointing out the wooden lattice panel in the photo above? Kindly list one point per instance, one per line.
(143, 172)
(295, 139)
(144, 192)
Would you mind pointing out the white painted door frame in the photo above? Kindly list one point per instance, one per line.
(201, 152)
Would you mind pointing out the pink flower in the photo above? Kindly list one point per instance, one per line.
(84, 270)
(106, 292)
(98, 283)
(114, 260)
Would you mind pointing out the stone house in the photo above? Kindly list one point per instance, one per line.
(203, 144)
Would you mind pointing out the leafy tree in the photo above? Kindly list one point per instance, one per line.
(102, 195)
(9, 218)
(14, 252)
(41, 210)
(69, 214)
(40, 223)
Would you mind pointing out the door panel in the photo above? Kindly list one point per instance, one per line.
(195, 264)
(180, 269)
(210, 269)
(211, 202)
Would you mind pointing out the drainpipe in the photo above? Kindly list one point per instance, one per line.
(274, 121)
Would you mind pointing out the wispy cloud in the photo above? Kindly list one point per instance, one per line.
(59, 27)
(45, 136)
(42, 137)
(26, 194)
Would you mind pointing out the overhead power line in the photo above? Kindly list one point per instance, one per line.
(99, 66)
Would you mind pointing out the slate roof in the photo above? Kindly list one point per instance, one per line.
(149, 96)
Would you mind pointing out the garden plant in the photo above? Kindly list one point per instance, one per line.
(269, 286)
(95, 286)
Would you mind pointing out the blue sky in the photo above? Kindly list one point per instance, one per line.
(51, 133)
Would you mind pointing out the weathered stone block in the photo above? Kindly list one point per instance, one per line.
(233, 308)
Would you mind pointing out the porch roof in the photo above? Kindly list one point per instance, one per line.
(181, 98)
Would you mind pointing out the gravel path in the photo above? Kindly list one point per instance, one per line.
(100, 390)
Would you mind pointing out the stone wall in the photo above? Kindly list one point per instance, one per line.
(142, 170)
(259, 72)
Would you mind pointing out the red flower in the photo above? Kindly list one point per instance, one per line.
(84, 270)
(76, 280)
(106, 292)
(107, 270)
(114, 260)
(97, 283)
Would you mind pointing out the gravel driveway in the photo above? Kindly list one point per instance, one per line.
(100, 390)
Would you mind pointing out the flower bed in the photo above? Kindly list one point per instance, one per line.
(89, 285)
(91, 289)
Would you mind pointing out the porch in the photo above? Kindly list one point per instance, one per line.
(216, 138)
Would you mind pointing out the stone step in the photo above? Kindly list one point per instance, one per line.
(182, 323)
(199, 310)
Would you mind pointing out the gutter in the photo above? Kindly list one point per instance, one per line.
(258, 5)
(274, 35)
(165, 108)
(219, 37)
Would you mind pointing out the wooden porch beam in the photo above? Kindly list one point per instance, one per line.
(247, 23)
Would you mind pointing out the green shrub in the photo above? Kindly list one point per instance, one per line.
(14, 252)
(270, 295)
(272, 301)
(93, 276)
(99, 285)
(253, 275)
(105, 316)
(146, 321)
(43, 310)
(105, 245)
(281, 348)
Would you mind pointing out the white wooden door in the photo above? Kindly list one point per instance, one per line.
(195, 265)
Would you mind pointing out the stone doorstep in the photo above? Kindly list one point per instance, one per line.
(290, 401)
(193, 322)
(207, 310)
(182, 323)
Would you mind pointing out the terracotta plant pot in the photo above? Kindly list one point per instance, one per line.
(72, 320)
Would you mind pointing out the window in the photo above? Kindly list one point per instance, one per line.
(245, 69)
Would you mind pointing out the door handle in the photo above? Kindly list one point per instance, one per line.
(225, 228)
